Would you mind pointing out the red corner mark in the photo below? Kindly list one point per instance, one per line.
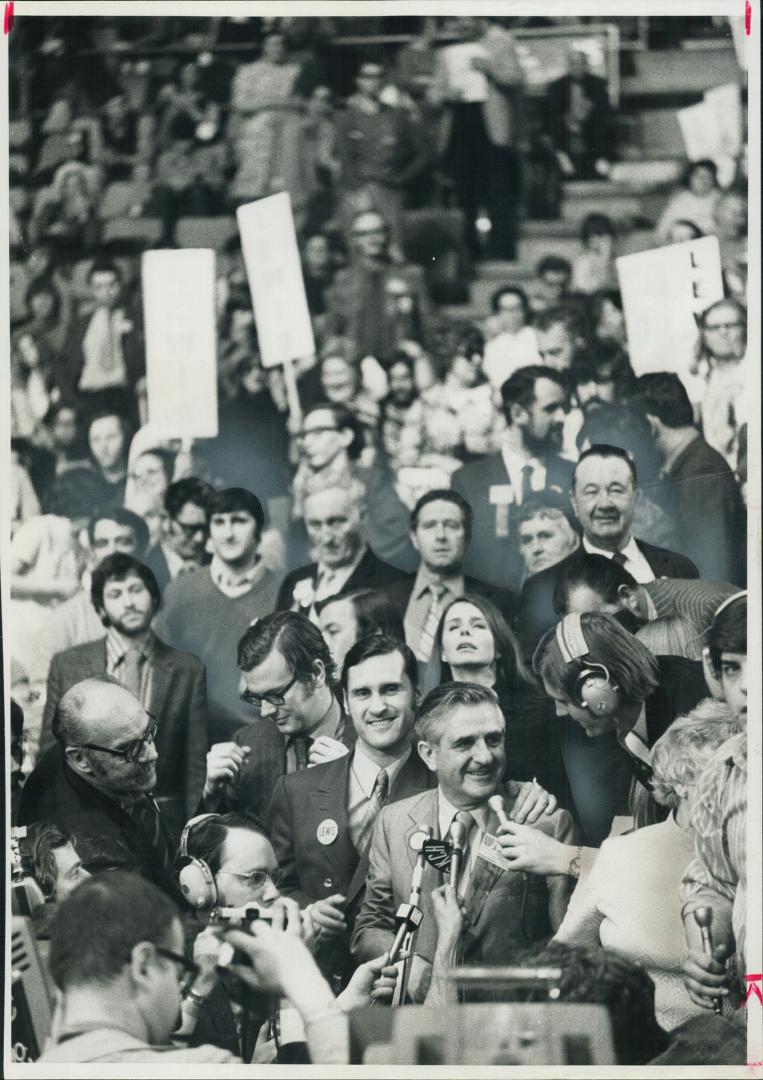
(747, 16)
(753, 988)
(8, 18)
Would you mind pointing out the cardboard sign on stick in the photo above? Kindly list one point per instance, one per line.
(662, 290)
(181, 359)
(273, 266)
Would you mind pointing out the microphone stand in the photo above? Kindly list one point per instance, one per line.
(408, 918)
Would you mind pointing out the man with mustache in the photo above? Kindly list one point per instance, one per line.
(461, 739)
(603, 497)
(98, 781)
(600, 376)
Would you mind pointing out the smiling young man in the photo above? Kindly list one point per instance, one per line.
(170, 684)
(321, 820)
(206, 612)
(460, 731)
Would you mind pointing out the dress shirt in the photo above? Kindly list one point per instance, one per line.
(363, 773)
(515, 463)
(331, 725)
(329, 580)
(104, 363)
(232, 584)
(635, 561)
(117, 646)
(445, 814)
(417, 612)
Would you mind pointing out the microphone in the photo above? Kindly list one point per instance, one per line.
(408, 916)
(703, 917)
(495, 802)
(457, 837)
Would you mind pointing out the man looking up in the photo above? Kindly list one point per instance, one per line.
(206, 612)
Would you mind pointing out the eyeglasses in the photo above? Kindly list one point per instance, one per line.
(273, 697)
(314, 431)
(722, 326)
(189, 531)
(131, 751)
(190, 967)
(258, 879)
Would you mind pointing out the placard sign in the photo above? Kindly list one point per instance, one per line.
(181, 355)
(663, 289)
(273, 266)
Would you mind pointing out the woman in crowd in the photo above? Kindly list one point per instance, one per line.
(342, 384)
(345, 619)
(68, 220)
(476, 645)
(32, 387)
(456, 419)
(594, 267)
(695, 202)
(630, 901)
(724, 368)
(512, 343)
(607, 319)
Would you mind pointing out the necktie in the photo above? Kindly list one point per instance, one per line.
(132, 669)
(472, 833)
(527, 475)
(145, 814)
(427, 636)
(300, 744)
(619, 558)
(375, 803)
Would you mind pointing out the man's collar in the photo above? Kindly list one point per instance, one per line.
(342, 571)
(446, 812)
(676, 452)
(454, 583)
(630, 550)
(366, 769)
(122, 644)
(225, 576)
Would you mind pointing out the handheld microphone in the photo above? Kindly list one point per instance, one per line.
(495, 802)
(703, 917)
(457, 837)
(408, 916)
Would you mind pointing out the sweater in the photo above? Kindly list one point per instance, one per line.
(197, 618)
(630, 903)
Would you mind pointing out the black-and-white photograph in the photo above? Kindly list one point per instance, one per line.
(375, 607)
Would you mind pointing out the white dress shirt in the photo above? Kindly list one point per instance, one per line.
(363, 773)
(635, 560)
(515, 463)
(445, 814)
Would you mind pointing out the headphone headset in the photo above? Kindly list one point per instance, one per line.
(594, 689)
(196, 880)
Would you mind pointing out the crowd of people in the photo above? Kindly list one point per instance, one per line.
(487, 583)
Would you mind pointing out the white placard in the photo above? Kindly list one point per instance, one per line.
(181, 355)
(663, 289)
(269, 244)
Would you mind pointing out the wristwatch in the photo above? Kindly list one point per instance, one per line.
(573, 870)
(191, 995)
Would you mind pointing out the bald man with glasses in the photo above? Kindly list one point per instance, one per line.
(98, 780)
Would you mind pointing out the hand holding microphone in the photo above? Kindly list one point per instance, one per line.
(703, 917)
(457, 837)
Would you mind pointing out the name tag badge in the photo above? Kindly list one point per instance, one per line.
(327, 832)
(490, 850)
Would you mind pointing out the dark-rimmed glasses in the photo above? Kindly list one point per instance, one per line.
(273, 697)
(131, 751)
(190, 967)
(258, 879)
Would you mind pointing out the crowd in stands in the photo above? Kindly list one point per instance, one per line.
(485, 558)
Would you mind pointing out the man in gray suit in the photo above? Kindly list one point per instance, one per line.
(460, 730)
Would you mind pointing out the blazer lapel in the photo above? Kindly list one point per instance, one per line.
(330, 801)
(161, 677)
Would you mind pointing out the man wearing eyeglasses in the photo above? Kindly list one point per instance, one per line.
(98, 781)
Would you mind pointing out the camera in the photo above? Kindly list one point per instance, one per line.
(241, 918)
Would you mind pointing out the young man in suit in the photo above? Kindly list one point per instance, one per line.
(335, 520)
(460, 731)
(320, 820)
(99, 778)
(603, 496)
(441, 528)
(287, 674)
(170, 684)
(534, 404)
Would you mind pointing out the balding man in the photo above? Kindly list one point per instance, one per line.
(98, 779)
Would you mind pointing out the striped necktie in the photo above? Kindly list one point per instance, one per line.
(425, 643)
(375, 803)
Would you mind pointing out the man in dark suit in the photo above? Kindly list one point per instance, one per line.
(697, 488)
(288, 676)
(534, 404)
(97, 781)
(577, 118)
(170, 684)
(604, 490)
(441, 528)
(320, 820)
(334, 519)
(460, 730)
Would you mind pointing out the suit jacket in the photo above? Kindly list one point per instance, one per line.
(511, 912)
(313, 871)
(595, 126)
(536, 603)
(506, 601)
(491, 556)
(178, 701)
(56, 794)
(370, 573)
(69, 371)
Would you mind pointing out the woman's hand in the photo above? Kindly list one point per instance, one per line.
(533, 851)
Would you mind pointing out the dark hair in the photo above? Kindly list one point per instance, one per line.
(100, 923)
(703, 163)
(43, 285)
(343, 420)
(727, 301)
(514, 290)
(206, 840)
(75, 493)
(689, 225)
(43, 839)
(662, 394)
(598, 299)
(117, 567)
(444, 699)
(605, 450)
(375, 612)
(553, 263)
(399, 356)
(189, 490)
(104, 266)
(231, 499)
(519, 388)
(729, 631)
(446, 495)
(603, 576)
(121, 516)
(380, 645)
(166, 457)
(297, 639)
(467, 340)
(566, 315)
(591, 362)
(593, 975)
(596, 225)
(124, 423)
(510, 667)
